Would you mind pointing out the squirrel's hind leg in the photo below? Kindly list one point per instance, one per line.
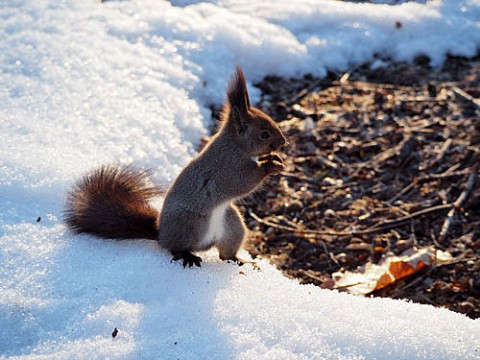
(235, 231)
(188, 258)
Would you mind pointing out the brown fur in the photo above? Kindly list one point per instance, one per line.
(113, 202)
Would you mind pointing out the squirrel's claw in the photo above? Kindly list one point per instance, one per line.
(241, 262)
(272, 163)
(273, 156)
(187, 259)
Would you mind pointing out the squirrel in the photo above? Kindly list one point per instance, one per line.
(198, 211)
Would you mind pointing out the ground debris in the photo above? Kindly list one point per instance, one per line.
(380, 162)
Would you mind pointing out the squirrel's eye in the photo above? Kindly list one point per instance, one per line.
(264, 135)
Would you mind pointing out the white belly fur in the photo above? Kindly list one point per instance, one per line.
(216, 226)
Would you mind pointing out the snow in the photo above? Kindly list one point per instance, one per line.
(85, 83)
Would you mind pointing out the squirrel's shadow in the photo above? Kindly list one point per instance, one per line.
(167, 311)
(186, 309)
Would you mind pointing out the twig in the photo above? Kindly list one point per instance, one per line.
(272, 224)
(440, 156)
(404, 191)
(388, 224)
(329, 255)
(297, 176)
(435, 242)
(453, 168)
(344, 79)
(465, 96)
(371, 85)
(443, 151)
(405, 148)
(327, 162)
(425, 178)
(308, 90)
(402, 151)
(385, 225)
(446, 174)
(313, 181)
(461, 200)
(312, 276)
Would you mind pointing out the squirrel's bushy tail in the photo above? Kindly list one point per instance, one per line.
(113, 202)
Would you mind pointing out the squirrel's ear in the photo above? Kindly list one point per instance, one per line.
(237, 94)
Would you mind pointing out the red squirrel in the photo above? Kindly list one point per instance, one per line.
(198, 212)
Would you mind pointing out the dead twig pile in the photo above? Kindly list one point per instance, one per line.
(375, 169)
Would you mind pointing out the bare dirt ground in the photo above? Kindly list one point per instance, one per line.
(381, 162)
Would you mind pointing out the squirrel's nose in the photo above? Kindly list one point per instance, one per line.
(279, 143)
(283, 142)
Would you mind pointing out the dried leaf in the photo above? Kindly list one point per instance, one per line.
(371, 277)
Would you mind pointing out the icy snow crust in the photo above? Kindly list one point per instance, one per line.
(84, 83)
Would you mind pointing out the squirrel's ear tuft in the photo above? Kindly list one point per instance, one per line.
(237, 93)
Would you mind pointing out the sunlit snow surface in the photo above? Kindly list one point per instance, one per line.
(84, 83)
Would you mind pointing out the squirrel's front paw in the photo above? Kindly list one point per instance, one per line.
(271, 157)
(272, 163)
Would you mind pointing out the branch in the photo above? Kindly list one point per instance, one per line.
(461, 200)
(425, 178)
(385, 225)
(465, 96)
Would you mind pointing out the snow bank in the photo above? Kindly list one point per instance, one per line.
(84, 83)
